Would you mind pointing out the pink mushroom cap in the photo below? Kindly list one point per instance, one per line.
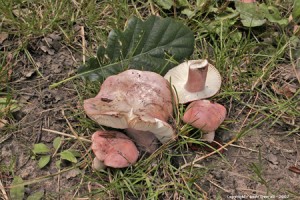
(114, 149)
(205, 115)
(138, 101)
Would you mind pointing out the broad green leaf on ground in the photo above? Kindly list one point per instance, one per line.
(165, 4)
(296, 10)
(188, 12)
(68, 155)
(40, 148)
(57, 142)
(254, 14)
(36, 196)
(17, 189)
(43, 161)
(145, 45)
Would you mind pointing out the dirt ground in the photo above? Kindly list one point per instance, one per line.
(261, 163)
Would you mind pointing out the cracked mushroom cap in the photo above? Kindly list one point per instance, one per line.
(205, 115)
(113, 149)
(134, 99)
(194, 80)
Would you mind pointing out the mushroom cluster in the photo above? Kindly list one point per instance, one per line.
(139, 104)
(193, 81)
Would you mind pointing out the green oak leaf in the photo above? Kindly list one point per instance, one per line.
(155, 44)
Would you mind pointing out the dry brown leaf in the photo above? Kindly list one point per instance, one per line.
(6, 71)
(72, 173)
(47, 50)
(297, 71)
(3, 122)
(3, 37)
(287, 90)
(294, 169)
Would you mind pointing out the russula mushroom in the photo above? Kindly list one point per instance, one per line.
(113, 149)
(194, 80)
(206, 116)
(138, 101)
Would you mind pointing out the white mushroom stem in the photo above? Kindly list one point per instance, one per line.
(98, 164)
(197, 76)
(209, 137)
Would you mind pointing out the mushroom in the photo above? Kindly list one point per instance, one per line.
(206, 116)
(194, 80)
(138, 101)
(113, 149)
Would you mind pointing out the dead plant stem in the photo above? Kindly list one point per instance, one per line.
(67, 135)
(3, 191)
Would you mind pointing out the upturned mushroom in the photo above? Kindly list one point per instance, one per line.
(138, 101)
(206, 116)
(113, 149)
(194, 80)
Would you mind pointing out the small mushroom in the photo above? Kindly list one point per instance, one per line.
(206, 116)
(113, 149)
(194, 80)
(139, 102)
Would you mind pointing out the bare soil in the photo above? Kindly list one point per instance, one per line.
(268, 151)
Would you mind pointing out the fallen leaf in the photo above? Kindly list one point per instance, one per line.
(47, 50)
(296, 29)
(3, 37)
(72, 173)
(272, 159)
(6, 70)
(3, 122)
(294, 169)
(287, 89)
(55, 36)
(29, 74)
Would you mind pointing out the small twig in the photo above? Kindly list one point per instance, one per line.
(208, 155)
(3, 191)
(69, 124)
(152, 8)
(77, 190)
(58, 184)
(83, 43)
(204, 192)
(293, 64)
(218, 186)
(67, 135)
(238, 146)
